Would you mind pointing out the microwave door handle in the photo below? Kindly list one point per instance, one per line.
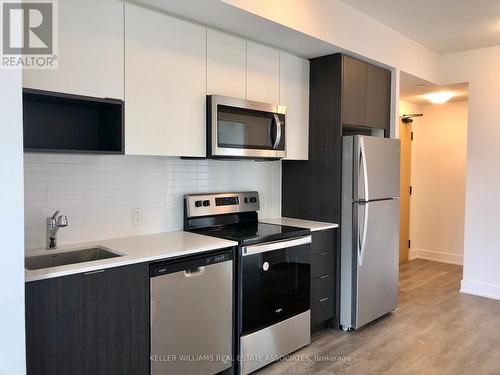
(278, 131)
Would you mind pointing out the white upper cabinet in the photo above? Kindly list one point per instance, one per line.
(226, 64)
(294, 94)
(263, 71)
(165, 85)
(90, 58)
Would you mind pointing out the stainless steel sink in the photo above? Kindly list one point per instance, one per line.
(70, 257)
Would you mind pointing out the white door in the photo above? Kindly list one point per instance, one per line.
(294, 94)
(165, 85)
(226, 64)
(263, 71)
(90, 58)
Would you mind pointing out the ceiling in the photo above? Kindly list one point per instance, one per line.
(412, 88)
(225, 17)
(445, 26)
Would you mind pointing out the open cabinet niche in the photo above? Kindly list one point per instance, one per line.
(64, 123)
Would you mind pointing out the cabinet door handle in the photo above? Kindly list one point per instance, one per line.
(93, 272)
(323, 277)
(324, 253)
(323, 299)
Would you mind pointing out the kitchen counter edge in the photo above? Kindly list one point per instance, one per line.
(136, 249)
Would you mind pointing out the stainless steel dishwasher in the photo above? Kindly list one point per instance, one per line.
(192, 315)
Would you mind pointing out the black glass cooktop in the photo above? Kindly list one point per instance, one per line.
(250, 233)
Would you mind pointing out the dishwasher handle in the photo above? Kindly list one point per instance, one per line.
(193, 272)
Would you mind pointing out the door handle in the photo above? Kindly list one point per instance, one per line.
(277, 245)
(278, 131)
(152, 310)
(365, 168)
(362, 240)
(94, 272)
(193, 272)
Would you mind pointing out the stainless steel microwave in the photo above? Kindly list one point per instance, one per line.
(238, 128)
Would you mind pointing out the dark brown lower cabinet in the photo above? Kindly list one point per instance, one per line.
(323, 282)
(89, 324)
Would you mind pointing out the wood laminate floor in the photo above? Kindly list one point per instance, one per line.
(435, 330)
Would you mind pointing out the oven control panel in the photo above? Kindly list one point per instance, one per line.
(221, 203)
(227, 201)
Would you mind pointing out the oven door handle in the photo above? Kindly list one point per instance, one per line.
(276, 245)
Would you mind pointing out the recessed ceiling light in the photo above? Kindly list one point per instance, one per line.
(439, 97)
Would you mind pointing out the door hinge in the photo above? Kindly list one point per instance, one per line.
(411, 190)
(411, 136)
(409, 244)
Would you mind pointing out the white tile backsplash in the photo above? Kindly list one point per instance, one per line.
(99, 192)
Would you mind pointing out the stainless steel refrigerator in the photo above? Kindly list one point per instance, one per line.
(370, 229)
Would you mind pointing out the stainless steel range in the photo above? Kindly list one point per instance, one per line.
(273, 275)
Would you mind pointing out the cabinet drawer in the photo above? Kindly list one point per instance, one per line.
(321, 264)
(321, 310)
(322, 287)
(323, 241)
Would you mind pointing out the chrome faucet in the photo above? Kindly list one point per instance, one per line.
(53, 224)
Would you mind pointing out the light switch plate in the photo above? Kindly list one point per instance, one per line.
(137, 216)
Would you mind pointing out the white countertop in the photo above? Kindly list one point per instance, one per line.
(136, 249)
(308, 224)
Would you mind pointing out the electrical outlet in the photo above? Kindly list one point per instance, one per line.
(137, 216)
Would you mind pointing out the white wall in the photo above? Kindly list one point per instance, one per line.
(438, 172)
(343, 26)
(482, 209)
(12, 352)
(350, 30)
(98, 193)
(407, 107)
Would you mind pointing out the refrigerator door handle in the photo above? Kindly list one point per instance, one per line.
(362, 152)
(362, 240)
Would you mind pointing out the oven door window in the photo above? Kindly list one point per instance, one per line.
(275, 287)
(249, 129)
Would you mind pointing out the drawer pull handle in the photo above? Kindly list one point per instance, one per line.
(323, 277)
(93, 272)
(325, 253)
(323, 299)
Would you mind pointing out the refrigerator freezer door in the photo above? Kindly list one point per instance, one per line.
(375, 168)
(375, 253)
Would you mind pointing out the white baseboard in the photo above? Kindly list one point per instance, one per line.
(477, 288)
(436, 256)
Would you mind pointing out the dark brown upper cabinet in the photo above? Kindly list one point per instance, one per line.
(378, 97)
(366, 94)
(353, 91)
